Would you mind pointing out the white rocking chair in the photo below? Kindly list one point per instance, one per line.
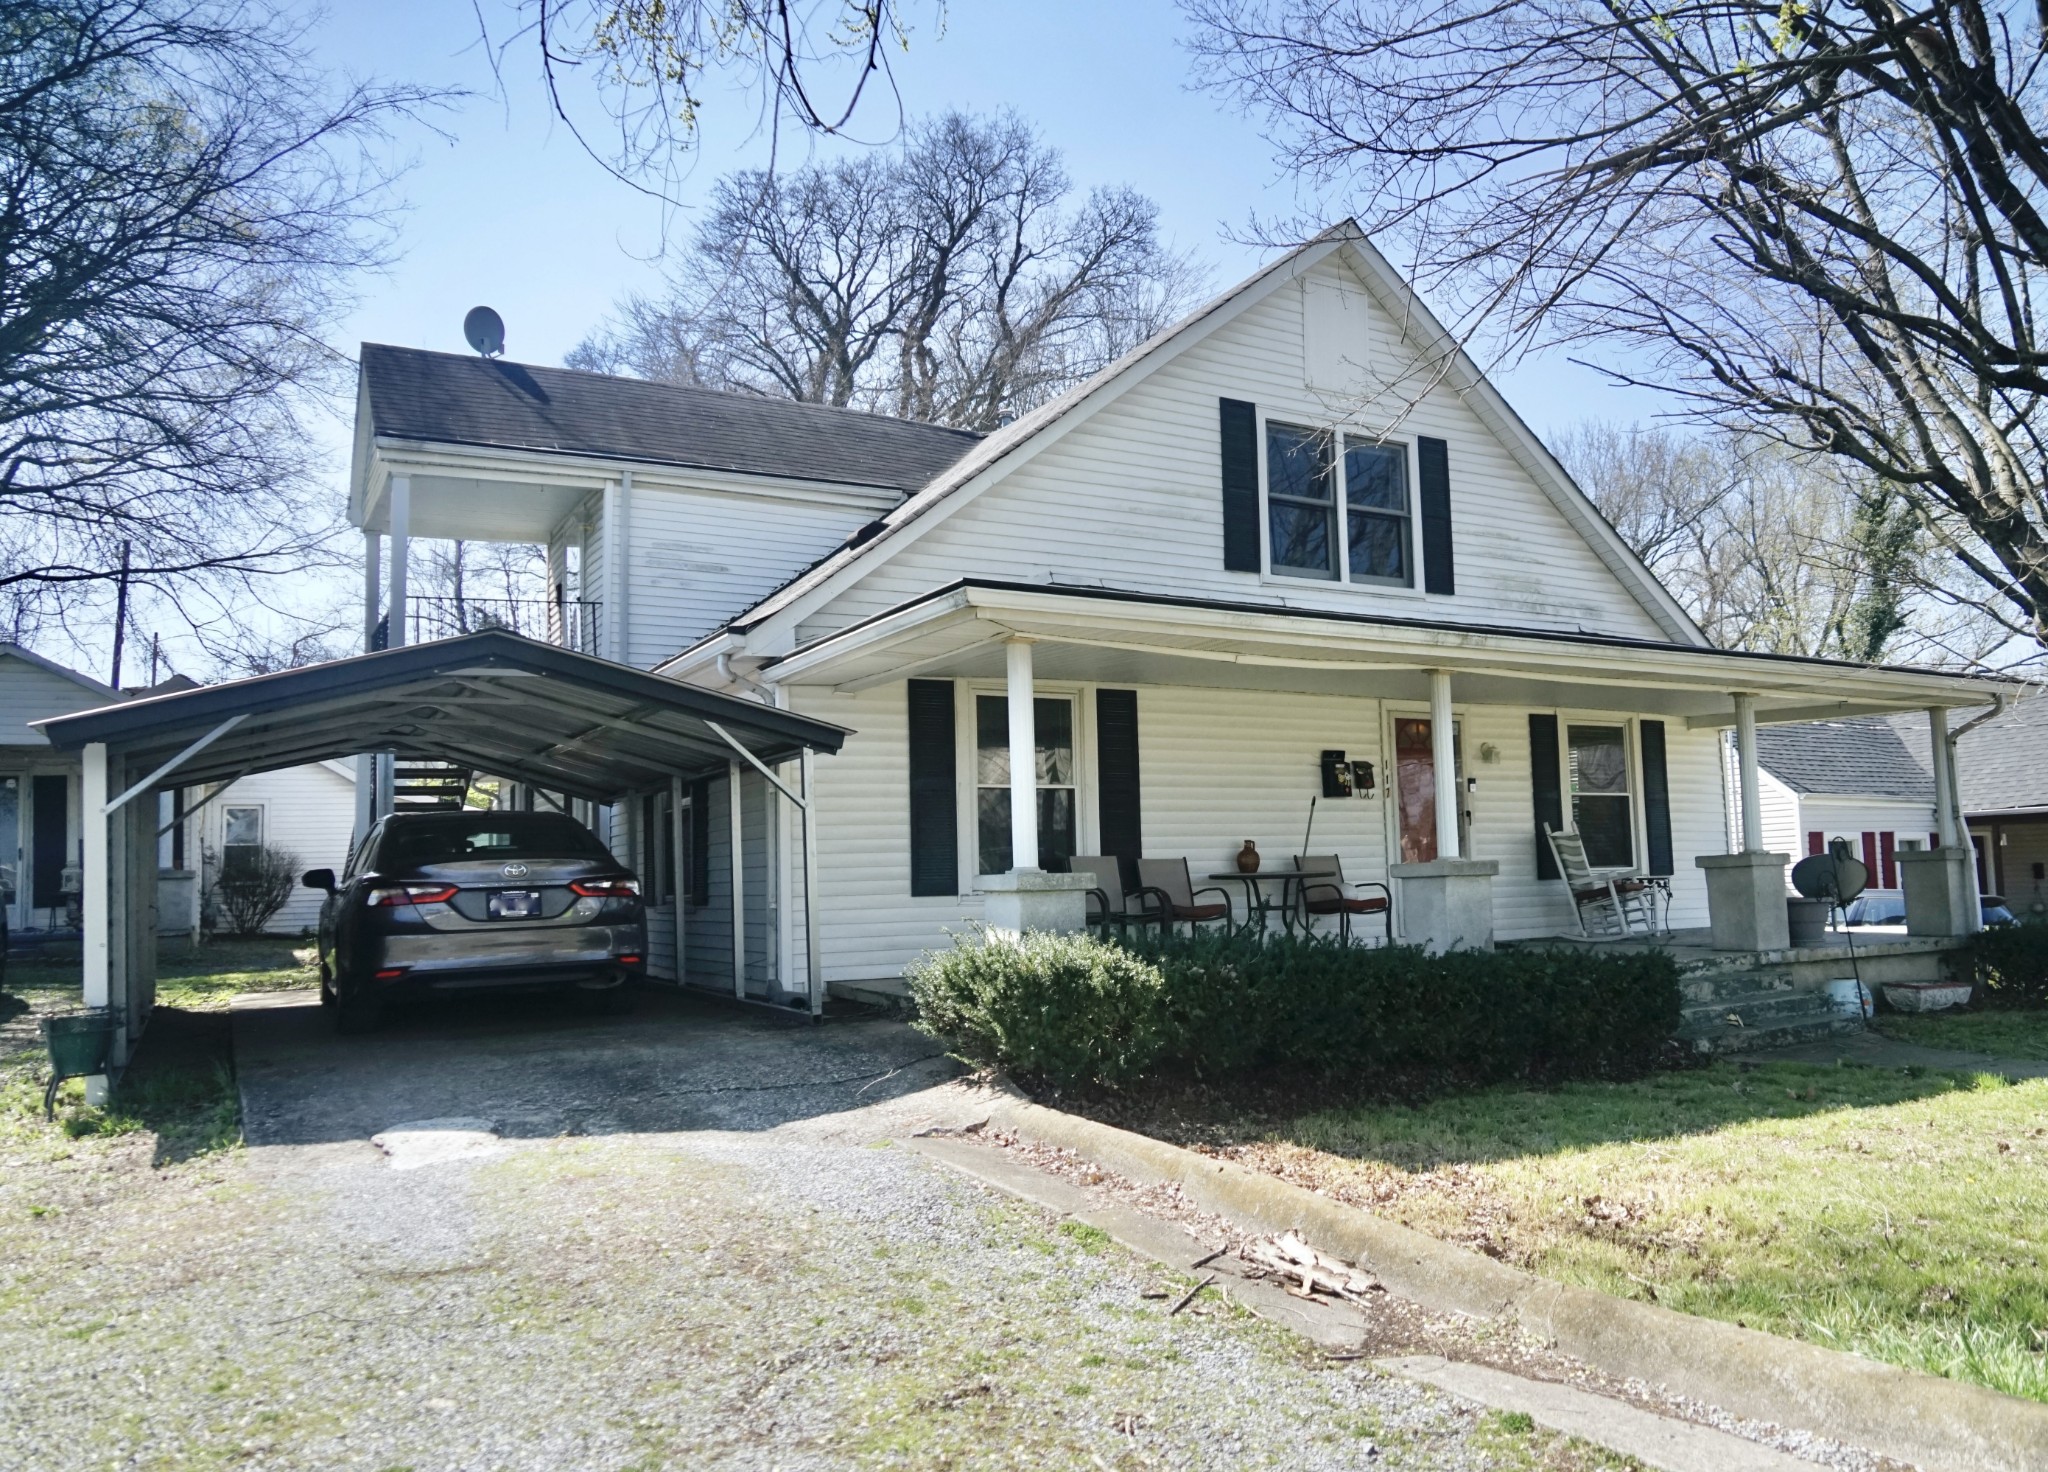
(1608, 902)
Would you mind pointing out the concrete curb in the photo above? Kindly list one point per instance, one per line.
(1941, 1425)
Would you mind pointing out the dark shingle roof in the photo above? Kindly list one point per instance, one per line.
(2004, 763)
(452, 399)
(1863, 756)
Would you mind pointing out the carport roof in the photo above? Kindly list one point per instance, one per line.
(494, 702)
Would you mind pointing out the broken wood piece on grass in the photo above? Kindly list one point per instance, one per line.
(1189, 1296)
(1305, 1272)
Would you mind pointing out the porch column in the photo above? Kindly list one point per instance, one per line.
(96, 894)
(373, 587)
(736, 832)
(400, 517)
(1941, 883)
(1745, 755)
(1746, 891)
(1028, 898)
(1023, 759)
(1444, 757)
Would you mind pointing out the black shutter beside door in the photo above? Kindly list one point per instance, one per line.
(1116, 778)
(1656, 798)
(1546, 779)
(1433, 467)
(934, 800)
(1239, 422)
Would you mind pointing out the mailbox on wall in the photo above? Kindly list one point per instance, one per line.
(1336, 775)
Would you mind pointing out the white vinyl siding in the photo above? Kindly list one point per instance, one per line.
(1131, 499)
(1212, 774)
(29, 692)
(308, 811)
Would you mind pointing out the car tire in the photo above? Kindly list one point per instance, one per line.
(356, 1013)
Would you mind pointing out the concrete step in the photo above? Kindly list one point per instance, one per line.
(1768, 1017)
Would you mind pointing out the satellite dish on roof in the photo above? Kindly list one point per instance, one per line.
(1837, 875)
(485, 330)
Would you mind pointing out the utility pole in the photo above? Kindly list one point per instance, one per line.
(120, 613)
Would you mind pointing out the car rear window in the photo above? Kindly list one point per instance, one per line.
(487, 836)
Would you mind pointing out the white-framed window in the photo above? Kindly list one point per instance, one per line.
(1348, 518)
(241, 837)
(1598, 784)
(1053, 717)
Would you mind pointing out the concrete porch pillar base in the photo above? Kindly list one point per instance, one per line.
(1031, 899)
(1940, 899)
(1447, 904)
(1746, 901)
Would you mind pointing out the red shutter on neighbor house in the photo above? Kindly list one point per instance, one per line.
(1870, 852)
(1888, 857)
(1816, 843)
(1934, 840)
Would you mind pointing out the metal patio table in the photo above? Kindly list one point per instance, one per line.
(1259, 904)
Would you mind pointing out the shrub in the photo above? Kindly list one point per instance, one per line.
(2009, 964)
(1074, 1009)
(253, 885)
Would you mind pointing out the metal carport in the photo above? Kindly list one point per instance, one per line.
(493, 701)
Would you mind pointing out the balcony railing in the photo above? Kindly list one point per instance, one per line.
(572, 623)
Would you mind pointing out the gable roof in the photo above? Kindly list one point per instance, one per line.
(1863, 756)
(50, 666)
(447, 398)
(1027, 435)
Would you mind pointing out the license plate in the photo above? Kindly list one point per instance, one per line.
(514, 904)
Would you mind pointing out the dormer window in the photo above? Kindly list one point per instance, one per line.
(1376, 510)
(1301, 509)
(1302, 481)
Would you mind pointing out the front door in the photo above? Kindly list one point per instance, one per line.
(1415, 788)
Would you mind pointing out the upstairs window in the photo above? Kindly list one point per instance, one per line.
(1301, 507)
(1376, 509)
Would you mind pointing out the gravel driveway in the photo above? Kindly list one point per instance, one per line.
(687, 1241)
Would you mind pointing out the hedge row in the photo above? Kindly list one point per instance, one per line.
(2009, 964)
(1077, 1010)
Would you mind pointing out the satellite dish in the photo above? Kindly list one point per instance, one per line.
(1837, 875)
(485, 330)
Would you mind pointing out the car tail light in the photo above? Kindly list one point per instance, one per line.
(410, 894)
(605, 889)
(629, 960)
(391, 973)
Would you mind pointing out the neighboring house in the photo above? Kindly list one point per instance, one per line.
(1294, 549)
(2002, 771)
(1855, 779)
(309, 810)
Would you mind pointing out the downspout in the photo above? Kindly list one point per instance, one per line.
(754, 687)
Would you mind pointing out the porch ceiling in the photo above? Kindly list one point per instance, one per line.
(1088, 636)
(493, 702)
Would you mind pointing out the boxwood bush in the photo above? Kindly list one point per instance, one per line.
(1071, 1010)
(2009, 964)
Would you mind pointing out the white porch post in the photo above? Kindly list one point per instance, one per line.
(1028, 898)
(1944, 791)
(96, 895)
(1444, 757)
(1941, 884)
(1745, 755)
(1023, 759)
(736, 830)
(400, 519)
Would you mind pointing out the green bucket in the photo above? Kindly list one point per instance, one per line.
(80, 1041)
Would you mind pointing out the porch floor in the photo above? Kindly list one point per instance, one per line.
(1693, 949)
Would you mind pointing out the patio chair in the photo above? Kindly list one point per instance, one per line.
(1329, 896)
(1108, 902)
(1608, 902)
(1169, 877)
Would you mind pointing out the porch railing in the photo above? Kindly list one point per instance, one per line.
(571, 623)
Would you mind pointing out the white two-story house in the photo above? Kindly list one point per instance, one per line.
(1299, 530)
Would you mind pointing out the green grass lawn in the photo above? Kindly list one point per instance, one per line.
(2001, 1034)
(1902, 1215)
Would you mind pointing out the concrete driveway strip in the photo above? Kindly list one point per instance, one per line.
(680, 1240)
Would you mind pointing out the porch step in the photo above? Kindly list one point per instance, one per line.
(1773, 1017)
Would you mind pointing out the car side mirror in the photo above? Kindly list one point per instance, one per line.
(320, 879)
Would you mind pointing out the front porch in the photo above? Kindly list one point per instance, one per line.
(1395, 744)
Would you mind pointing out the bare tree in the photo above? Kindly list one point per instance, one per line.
(182, 202)
(1826, 221)
(1773, 550)
(951, 280)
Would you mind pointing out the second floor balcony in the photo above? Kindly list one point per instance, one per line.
(571, 623)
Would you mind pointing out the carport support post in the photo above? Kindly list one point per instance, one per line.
(813, 951)
(96, 898)
(736, 825)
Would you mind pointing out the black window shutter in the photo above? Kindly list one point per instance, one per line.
(699, 882)
(1116, 777)
(1656, 798)
(934, 801)
(1547, 781)
(1433, 464)
(1240, 424)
